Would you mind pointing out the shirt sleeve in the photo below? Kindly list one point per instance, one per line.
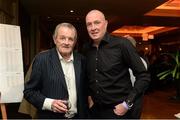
(135, 63)
(47, 104)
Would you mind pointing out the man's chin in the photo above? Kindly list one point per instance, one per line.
(95, 39)
(67, 52)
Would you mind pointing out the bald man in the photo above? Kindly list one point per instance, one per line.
(109, 59)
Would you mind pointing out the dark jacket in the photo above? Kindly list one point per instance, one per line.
(47, 81)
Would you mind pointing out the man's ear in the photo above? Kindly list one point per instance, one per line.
(54, 40)
(106, 23)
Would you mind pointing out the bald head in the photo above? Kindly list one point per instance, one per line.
(131, 39)
(96, 25)
(95, 13)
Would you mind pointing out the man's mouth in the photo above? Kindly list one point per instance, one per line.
(94, 33)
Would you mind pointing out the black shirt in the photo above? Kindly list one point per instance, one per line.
(109, 79)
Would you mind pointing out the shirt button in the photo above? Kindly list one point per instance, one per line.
(96, 80)
(97, 92)
(96, 59)
(96, 69)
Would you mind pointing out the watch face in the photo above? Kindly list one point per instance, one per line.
(129, 103)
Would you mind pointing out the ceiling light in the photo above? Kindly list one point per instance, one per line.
(71, 11)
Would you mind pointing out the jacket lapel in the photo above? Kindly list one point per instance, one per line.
(77, 68)
(57, 66)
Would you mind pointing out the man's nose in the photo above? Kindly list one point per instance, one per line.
(66, 41)
(93, 27)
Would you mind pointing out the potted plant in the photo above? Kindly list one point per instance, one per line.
(173, 71)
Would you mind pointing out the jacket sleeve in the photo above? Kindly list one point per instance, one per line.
(33, 85)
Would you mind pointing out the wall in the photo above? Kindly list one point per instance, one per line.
(9, 11)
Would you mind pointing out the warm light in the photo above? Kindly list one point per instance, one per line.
(145, 37)
(171, 8)
(71, 11)
(146, 32)
(146, 48)
(151, 36)
(170, 5)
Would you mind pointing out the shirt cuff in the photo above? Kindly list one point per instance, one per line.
(125, 105)
(47, 104)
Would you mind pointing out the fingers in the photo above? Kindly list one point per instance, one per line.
(59, 106)
(90, 101)
(120, 110)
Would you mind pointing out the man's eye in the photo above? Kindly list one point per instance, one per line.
(88, 24)
(71, 39)
(97, 22)
(62, 38)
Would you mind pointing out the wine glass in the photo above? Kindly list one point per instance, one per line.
(68, 114)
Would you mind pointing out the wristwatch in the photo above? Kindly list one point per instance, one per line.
(129, 104)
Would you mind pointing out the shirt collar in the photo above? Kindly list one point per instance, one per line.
(105, 40)
(106, 37)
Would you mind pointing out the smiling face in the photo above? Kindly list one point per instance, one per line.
(96, 25)
(65, 40)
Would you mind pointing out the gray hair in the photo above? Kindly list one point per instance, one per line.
(131, 39)
(68, 25)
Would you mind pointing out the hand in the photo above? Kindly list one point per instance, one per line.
(59, 106)
(120, 110)
(90, 101)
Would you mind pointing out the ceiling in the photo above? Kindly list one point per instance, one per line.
(145, 32)
(133, 14)
(170, 9)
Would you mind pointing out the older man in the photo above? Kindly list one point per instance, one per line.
(57, 83)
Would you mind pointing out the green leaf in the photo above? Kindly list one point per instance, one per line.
(175, 67)
(162, 75)
(178, 75)
(174, 72)
(177, 57)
